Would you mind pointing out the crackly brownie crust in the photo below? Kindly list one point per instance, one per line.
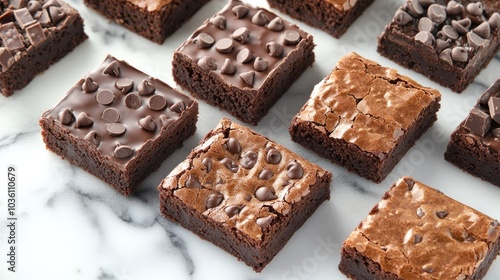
(365, 117)
(119, 124)
(450, 42)
(243, 192)
(33, 36)
(153, 19)
(417, 232)
(264, 55)
(331, 16)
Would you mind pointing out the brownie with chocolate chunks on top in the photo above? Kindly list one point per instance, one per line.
(33, 36)
(331, 16)
(119, 124)
(417, 232)
(152, 19)
(243, 192)
(242, 60)
(365, 117)
(447, 41)
(474, 146)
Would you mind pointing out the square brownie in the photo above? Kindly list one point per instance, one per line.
(153, 19)
(242, 60)
(365, 116)
(332, 16)
(475, 144)
(119, 124)
(447, 41)
(243, 192)
(417, 232)
(33, 36)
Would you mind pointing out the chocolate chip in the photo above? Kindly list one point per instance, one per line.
(50, 3)
(116, 129)
(133, 101)
(83, 120)
(442, 214)
(402, 18)
(219, 21)
(244, 56)
(224, 45)
(426, 24)
(425, 37)
(178, 107)
(474, 40)
(110, 115)
(492, 228)
(207, 63)
(66, 116)
(112, 69)
(441, 44)
(265, 174)
(459, 54)
(23, 18)
(89, 85)
(414, 8)
(157, 102)
(248, 77)
(494, 20)
(124, 85)
(276, 24)
(273, 156)
(454, 8)
(494, 106)
(214, 200)
(56, 14)
(446, 56)
(34, 6)
(260, 18)
(204, 40)
(260, 64)
(192, 182)
(146, 88)
(249, 159)
(264, 222)
(496, 132)
(294, 170)
(426, 3)
(449, 32)
(475, 9)
(123, 152)
(274, 49)
(208, 163)
(233, 146)
(148, 124)
(493, 89)
(228, 67)
(417, 238)
(241, 35)
(427, 268)
(105, 97)
(483, 30)
(478, 122)
(420, 212)
(165, 121)
(230, 164)
(265, 194)
(240, 11)
(291, 37)
(409, 182)
(93, 137)
(461, 26)
(233, 210)
(437, 13)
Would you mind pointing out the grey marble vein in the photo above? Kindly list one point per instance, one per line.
(179, 244)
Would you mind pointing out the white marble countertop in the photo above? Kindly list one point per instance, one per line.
(71, 225)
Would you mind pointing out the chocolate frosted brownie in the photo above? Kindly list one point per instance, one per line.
(242, 60)
(417, 232)
(119, 124)
(365, 116)
(332, 16)
(243, 192)
(475, 144)
(447, 41)
(153, 19)
(34, 35)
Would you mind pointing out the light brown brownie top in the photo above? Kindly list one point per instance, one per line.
(242, 179)
(366, 104)
(150, 5)
(417, 232)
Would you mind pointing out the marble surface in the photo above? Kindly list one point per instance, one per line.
(73, 226)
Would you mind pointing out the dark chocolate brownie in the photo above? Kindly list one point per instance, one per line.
(242, 60)
(119, 124)
(153, 19)
(417, 232)
(447, 41)
(475, 144)
(332, 16)
(33, 36)
(365, 116)
(243, 192)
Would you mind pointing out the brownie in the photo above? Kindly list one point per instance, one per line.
(365, 116)
(475, 144)
(417, 232)
(119, 124)
(242, 60)
(331, 16)
(447, 41)
(33, 36)
(153, 19)
(243, 192)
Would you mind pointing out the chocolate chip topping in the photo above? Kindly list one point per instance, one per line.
(462, 26)
(248, 77)
(425, 37)
(228, 67)
(148, 124)
(56, 14)
(265, 174)
(475, 9)
(34, 6)
(264, 222)
(446, 56)
(146, 88)
(165, 121)
(244, 56)
(291, 37)
(224, 45)
(133, 101)
(402, 17)
(260, 64)
(294, 170)
(240, 11)
(105, 97)
(178, 106)
(230, 164)
(124, 85)
(414, 8)
(214, 200)
(112, 69)
(249, 159)
(123, 152)
(276, 24)
(66, 116)
(426, 3)
(193, 182)
(417, 238)
(454, 8)
(219, 21)
(233, 146)
(273, 156)
(496, 133)
(208, 163)
(207, 63)
(241, 35)
(110, 115)
(475, 40)
(265, 194)
(233, 210)
(409, 182)
(93, 137)
(260, 18)
(478, 122)
(494, 20)
(459, 54)
(442, 214)
(83, 120)
(437, 13)
(204, 40)
(492, 228)
(494, 108)
(448, 32)
(89, 85)
(483, 30)
(274, 49)
(116, 129)
(157, 102)
(420, 212)
(426, 24)
(441, 45)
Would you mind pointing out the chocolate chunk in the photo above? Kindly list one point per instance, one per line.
(461, 26)
(454, 8)
(178, 107)
(459, 54)
(441, 44)
(426, 24)
(414, 8)
(124, 85)
(291, 37)
(83, 120)
(23, 18)
(276, 24)
(214, 200)
(207, 63)
(133, 101)
(248, 77)
(449, 32)
(93, 137)
(116, 129)
(483, 30)
(425, 37)
(265, 174)
(123, 152)
(110, 115)
(491, 91)
(146, 88)
(233, 210)
(228, 67)
(219, 21)
(165, 121)
(417, 238)
(260, 18)
(409, 182)
(35, 34)
(265, 194)
(56, 14)
(264, 222)
(274, 49)
(233, 146)
(34, 6)
(437, 13)
(294, 170)
(203, 41)
(475, 41)
(89, 85)
(157, 102)
(50, 3)
(273, 156)
(240, 11)
(478, 122)
(230, 164)
(241, 35)
(249, 159)
(442, 214)
(475, 9)
(112, 69)
(11, 38)
(105, 97)
(224, 45)
(148, 124)
(244, 56)
(192, 182)
(420, 212)
(494, 106)
(494, 21)
(496, 132)
(43, 18)
(208, 163)
(446, 56)
(6, 58)
(66, 116)
(402, 18)
(260, 65)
